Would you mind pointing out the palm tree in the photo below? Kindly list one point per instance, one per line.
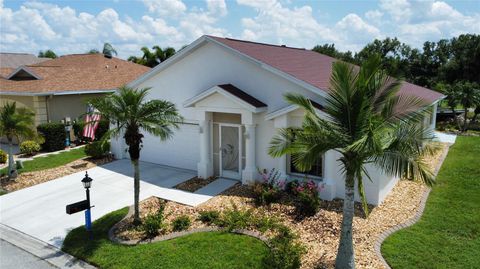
(368, 123)
(163, 54)
(131, 114)
(137, 60)
(15, 123)
(150, 58)
(108, 50)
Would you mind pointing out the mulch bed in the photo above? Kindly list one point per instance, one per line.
(194, 184)
(319, 233)
(28, 179)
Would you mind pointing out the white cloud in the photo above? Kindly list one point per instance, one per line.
(355, 32)
(374, 15)
(166, 7)
(217, 7)
(398, 9)
(278, 24)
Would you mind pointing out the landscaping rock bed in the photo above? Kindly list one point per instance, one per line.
(28, 179)
(194, 184)
(319, 233)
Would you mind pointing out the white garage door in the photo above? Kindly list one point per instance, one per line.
(182, 150)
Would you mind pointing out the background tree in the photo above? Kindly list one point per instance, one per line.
(132, 115)
(330, 50)
(15, 123)
(108, 50)
(368, 123)
(163, 54)
(47, 54)
(93, 51)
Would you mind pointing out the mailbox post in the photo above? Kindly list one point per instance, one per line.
(87, 182)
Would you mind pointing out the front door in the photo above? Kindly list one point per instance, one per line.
(230, 151)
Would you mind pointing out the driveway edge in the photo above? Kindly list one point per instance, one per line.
(41, 249)
(410, 222)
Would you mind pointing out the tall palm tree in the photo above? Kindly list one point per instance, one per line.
(132, 115)
(15, 123)
(368, 123)
(163, 54)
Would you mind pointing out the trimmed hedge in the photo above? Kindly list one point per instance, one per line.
(29, 147)
(3, 156)
(54, 134)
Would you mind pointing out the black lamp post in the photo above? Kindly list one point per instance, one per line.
(87, 183)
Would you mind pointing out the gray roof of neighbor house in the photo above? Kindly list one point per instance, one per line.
(14, 60)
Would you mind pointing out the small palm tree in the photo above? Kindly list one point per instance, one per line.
(149, 58)
(15, 123)
(368, 123)
(131, 114)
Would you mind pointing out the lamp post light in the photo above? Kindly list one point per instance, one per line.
(87, 183)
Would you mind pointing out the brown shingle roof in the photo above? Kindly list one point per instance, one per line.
(306, 65)
(14, 60)
(76, 72)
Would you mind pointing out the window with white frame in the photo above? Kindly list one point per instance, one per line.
(316, 171)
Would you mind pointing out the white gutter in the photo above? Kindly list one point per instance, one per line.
(56, 93)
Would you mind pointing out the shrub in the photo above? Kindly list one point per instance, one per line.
(29, 147)
(235, 219)
(284, 253)
(3, 156)
(307, 196)
(209, 216)
(154, 223)
(54, 134)
(291, 187)
(181, 223)
(269, 189)
(97, 149)
(266, 223)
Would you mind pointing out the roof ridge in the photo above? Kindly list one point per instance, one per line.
(258, 43)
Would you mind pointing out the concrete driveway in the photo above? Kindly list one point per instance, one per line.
(39, 211)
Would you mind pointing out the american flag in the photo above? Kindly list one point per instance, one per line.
(91, 122)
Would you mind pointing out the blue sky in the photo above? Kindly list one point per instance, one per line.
(77, 26)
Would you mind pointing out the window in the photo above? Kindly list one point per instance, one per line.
(316, 171)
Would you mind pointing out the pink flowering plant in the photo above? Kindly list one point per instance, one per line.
(307, 196)
(268, 190)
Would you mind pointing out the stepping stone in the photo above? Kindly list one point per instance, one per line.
(216, 187)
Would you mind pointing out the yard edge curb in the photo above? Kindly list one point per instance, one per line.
(160, 238)
(41, 249)
(410, 222)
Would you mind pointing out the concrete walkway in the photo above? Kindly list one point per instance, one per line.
(39, 211)
(445, 138)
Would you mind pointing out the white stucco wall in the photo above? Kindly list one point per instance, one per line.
(212, 65)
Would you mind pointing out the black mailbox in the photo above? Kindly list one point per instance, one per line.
(77, 207)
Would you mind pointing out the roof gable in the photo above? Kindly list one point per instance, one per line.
(23, 73)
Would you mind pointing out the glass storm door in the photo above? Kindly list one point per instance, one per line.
(230, 151)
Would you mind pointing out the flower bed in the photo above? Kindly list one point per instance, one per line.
(319, 233)
(194, 184)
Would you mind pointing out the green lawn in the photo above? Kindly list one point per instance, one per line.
(448, 234)
(200, 250)
(51, 161)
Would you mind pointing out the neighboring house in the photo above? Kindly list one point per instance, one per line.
(231, 93)
(14, 60)
(58, 88)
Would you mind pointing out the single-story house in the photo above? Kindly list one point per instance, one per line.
(56, 89)
(231, 93)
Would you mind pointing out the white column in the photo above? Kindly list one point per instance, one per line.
(249, 174)
(282, 166)
(205, 167)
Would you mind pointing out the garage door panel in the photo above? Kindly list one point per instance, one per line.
(182, 150)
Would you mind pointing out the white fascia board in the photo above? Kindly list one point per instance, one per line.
(288, 109)
(191, 102)
(55, 93)
(163, 65)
